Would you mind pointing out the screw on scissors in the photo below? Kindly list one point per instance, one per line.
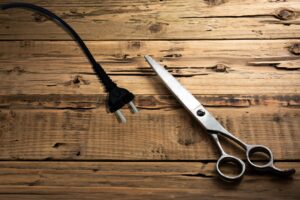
(215, 129)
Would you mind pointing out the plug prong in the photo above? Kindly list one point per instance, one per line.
(121, 118)
(132, 107)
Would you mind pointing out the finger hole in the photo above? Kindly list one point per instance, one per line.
(230, 168)
(260, 156)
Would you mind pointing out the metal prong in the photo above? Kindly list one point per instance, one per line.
(132, 107)
(121, 118)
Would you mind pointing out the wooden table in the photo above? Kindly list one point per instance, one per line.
(241, 58)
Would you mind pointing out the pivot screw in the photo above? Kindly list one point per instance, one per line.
(200, 113)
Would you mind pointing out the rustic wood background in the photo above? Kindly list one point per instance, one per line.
(241, 58)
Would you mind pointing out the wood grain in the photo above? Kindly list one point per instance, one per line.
(240, 58)
(136, 180)
(126, 20)
(158, 134)
(204, 67)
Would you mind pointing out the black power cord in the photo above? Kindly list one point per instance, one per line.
(117, 97)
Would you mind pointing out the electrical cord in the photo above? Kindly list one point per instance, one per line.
(117, 97)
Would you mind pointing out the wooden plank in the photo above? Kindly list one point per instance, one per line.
(204, 67)
(245, 70)
(115, 20)
(263, 83)
(228, 6)
(117, 55)
(158, 134)
(136, 180)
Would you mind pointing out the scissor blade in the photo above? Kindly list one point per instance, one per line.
(186, 98)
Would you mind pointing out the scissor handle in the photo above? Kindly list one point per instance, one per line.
(252, 149)
(269, 166)
(228, 159)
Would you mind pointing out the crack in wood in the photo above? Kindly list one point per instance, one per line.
(227, 16)
(18, 70)
(58, 144)
(199, 174)
(280, 65)
(147, 102)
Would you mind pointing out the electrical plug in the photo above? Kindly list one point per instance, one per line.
(118, 98)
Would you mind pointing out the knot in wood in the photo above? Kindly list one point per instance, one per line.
(220, 68)
(214, 2)
(77, 81)
(295, 49)
(39, 17)
(286, 14)
(73, 11)
(155, 28)
(135, 45)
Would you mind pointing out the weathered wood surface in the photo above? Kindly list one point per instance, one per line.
(241, 58)
(119, 20)
(204, 67)
(150, 135)
(136, 180)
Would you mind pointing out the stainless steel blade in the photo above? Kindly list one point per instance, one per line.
(186, 98)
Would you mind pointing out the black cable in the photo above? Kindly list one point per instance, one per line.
(118, 97)
(108, 83)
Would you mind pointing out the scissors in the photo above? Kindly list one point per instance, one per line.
(215, 129)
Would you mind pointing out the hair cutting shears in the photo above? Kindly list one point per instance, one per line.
(215, 129)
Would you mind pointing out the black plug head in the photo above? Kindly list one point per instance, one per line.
(118, 97)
